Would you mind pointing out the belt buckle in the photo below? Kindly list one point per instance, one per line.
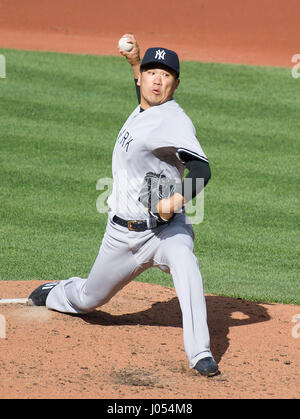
(129, 225)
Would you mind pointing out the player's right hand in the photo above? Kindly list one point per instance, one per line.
(133, 56)
(168, 206)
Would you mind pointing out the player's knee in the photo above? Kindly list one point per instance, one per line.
(178, 254)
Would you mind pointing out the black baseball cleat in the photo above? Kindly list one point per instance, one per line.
(207, 367)
(39, 295)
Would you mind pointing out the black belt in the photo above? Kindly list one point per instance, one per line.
(137, 225)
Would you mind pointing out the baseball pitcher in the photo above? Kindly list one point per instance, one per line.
(147, 226)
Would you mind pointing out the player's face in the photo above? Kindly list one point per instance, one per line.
(157, 86)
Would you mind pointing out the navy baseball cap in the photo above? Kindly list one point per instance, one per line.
(163, 56)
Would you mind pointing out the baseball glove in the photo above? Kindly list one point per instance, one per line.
(155, 187)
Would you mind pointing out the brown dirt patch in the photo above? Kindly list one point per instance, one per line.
(250, 31)
(133, 348)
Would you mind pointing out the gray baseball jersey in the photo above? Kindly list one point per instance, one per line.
(148, 141)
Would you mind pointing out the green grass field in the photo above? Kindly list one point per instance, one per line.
(60, 114)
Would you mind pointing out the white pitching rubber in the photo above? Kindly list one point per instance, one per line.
(13, 300)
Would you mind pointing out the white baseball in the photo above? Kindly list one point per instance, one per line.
(124, 45)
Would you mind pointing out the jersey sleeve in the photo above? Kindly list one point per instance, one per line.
(177, 133)
(186, 155)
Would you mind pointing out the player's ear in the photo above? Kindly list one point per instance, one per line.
(139, 80)
(177, 81)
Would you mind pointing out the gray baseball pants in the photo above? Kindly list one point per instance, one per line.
(123, 256)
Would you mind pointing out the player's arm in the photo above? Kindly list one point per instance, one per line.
(133, 58)
(198, 168)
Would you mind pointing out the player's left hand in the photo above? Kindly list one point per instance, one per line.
(160, 195)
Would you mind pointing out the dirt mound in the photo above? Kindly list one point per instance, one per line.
(133, 348)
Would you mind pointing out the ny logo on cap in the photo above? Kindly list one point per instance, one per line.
(160, 54)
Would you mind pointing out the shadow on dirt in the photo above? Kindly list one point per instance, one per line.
(222, 313)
